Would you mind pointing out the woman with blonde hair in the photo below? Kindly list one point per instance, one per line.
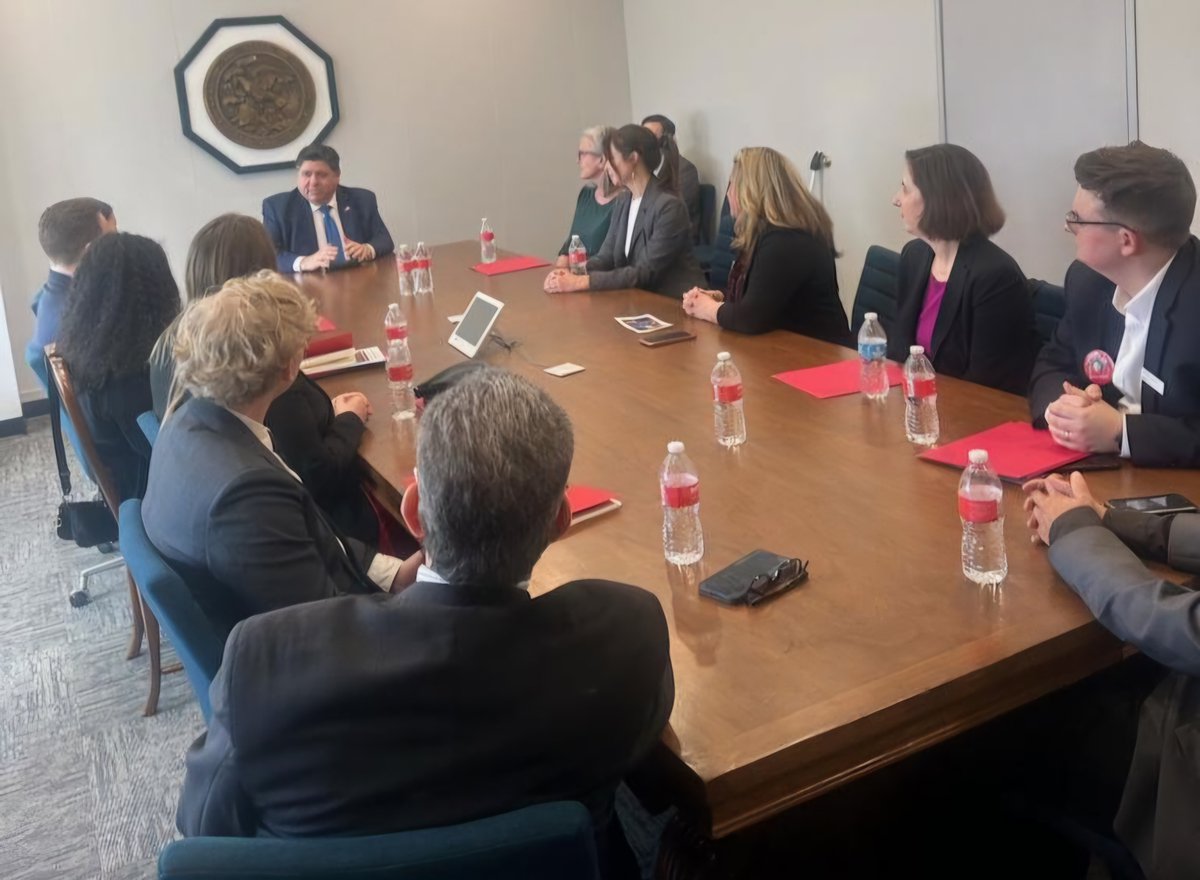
(593, 207)
(784, 276)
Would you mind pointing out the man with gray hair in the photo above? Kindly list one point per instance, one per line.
(460, 697)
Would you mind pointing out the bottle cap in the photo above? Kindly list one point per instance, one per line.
(675, 447)
(393, 306)
(977, 456)
(871, 316)
(916, 349)
(724, 356)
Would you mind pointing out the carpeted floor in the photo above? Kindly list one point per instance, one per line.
(87, 784)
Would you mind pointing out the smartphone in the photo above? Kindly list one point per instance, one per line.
(665, 337)
(1170, 502)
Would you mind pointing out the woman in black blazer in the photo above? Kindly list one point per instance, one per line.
(784, 276)
(962, 297)
(649, 241)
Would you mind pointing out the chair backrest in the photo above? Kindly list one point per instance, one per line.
(1049, 305)
(82, 435)
(721, 260)
(545, 842)
(878, 290)
(196, 641)
(148, 422)
(708, 210)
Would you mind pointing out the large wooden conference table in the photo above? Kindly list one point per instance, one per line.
(887, 649)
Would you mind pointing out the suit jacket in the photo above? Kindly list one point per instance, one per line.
(438, 705)
(242, 532)
(790, 283)
(1167, 432)
(689, 191)
(660, 255)
(289, 219)
(1160, 809)
(985, 330)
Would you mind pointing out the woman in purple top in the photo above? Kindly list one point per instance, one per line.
(960, 296)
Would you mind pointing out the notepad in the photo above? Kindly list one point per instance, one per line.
(341, 361)
(1016, 452)
(833, 380)
(588, 502)
(509, 264)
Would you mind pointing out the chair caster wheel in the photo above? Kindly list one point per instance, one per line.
(79, 598)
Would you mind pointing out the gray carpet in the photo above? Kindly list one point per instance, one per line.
(88, 785)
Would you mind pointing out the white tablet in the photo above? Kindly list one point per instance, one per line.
(472, 331)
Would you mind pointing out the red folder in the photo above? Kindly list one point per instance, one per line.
(1015, 451)
(327, 343)
(587, 502)
(509, 264)
(833, 380)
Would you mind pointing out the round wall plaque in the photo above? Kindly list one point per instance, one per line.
(259, 95)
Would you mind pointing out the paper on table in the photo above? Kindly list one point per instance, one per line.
(509, 264)
(833, 380)
(1015, 451)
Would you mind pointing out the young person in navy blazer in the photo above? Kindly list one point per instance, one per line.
(321, 224)
(1133, 292)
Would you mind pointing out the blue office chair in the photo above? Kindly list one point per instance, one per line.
(716, 258)
(708, 213)
(878, 290)
(37, 362)
(545, 842)
(148, 422)
(196, 641)
(1049, 305)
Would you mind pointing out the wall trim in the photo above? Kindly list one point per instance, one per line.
(31, 409)
(12, 427)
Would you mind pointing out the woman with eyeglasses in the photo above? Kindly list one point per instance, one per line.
(593, 207)
(961, 297)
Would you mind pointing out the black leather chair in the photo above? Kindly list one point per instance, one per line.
(1049, 304)
(877, 288)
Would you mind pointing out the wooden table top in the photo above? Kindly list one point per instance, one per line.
(886, 650)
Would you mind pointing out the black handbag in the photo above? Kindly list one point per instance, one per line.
(87, 523)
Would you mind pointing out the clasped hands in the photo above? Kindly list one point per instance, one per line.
(355, 402)
(703, 304)
(1081, 420)
(1048, 498)
(326, 256)
(564, 281)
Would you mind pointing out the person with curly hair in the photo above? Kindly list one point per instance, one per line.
(123, 296)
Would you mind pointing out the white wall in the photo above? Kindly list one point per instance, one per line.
(449, 110)
(856, 79)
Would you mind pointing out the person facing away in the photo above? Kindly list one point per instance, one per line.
(784, 276)
(961, 296)
(321, 224)
(222, 507)
(122, 297)
(1133, 293)
(65, 230)
(461, 697)
(648, 244)
(1096, 552)
(594, 206)
(685, 180)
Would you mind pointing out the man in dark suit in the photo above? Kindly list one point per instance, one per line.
(689, 177)
(321, 224)
(461, 697)
(1134, 294)
(236, 523)
(1094, 551)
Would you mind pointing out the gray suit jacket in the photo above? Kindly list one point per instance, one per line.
(1160, 809)
(660, 255)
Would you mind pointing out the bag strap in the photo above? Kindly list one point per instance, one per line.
(60, 454)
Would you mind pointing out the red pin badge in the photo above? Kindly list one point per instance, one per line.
(1098, 367)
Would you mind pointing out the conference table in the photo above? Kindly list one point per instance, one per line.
(885, 651)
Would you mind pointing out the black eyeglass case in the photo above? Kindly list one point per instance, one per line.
(749, 580)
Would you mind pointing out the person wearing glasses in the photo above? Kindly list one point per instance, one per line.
(593, 207)
(1133, 293)
(961, 297)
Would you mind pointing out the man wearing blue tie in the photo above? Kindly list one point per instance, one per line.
(321, 224)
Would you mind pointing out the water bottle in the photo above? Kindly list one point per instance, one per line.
(577, 256)
(920, 398)
(395, 325)
(422, 273)
(872, 356)
(683, 538)
(487, 243)
(405, 263)
(729, 420)
(400, 376)
(981, 509)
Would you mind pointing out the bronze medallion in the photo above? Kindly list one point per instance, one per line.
(259, 95)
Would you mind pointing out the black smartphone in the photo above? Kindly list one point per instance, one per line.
(1169, 502)
(665, 337)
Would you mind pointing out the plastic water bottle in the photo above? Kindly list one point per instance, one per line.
(683, 538)
(920, 398)
(729, 420)
(405, 263)
(400, 376)
(395, 325)
(981, 509)
(487, 243)
(577, 256)
(872, 356)
(422, 273)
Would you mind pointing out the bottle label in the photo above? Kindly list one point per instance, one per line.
(421, 264)
(487, 236)
(577, 257)
(396, 332)
(408, 265)
(978, 511)
(686, 495)
(872, 351)
(400, 372)
(727, 393)
(919, 389)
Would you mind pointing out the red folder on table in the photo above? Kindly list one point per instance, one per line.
(1016, 452)
(833, 380)
(509, 264)
(587, 502)
(328, 343)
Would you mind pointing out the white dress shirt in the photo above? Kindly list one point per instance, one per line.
(634, 207)
(1131, 356)
(319, 225)
(429, 576)
(383, 567)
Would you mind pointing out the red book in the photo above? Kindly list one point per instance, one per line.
(327, 343)
(587, 502)
(1015, 450)
(509, 264)
(833, 380)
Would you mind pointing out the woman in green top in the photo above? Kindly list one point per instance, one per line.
(593, 208)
